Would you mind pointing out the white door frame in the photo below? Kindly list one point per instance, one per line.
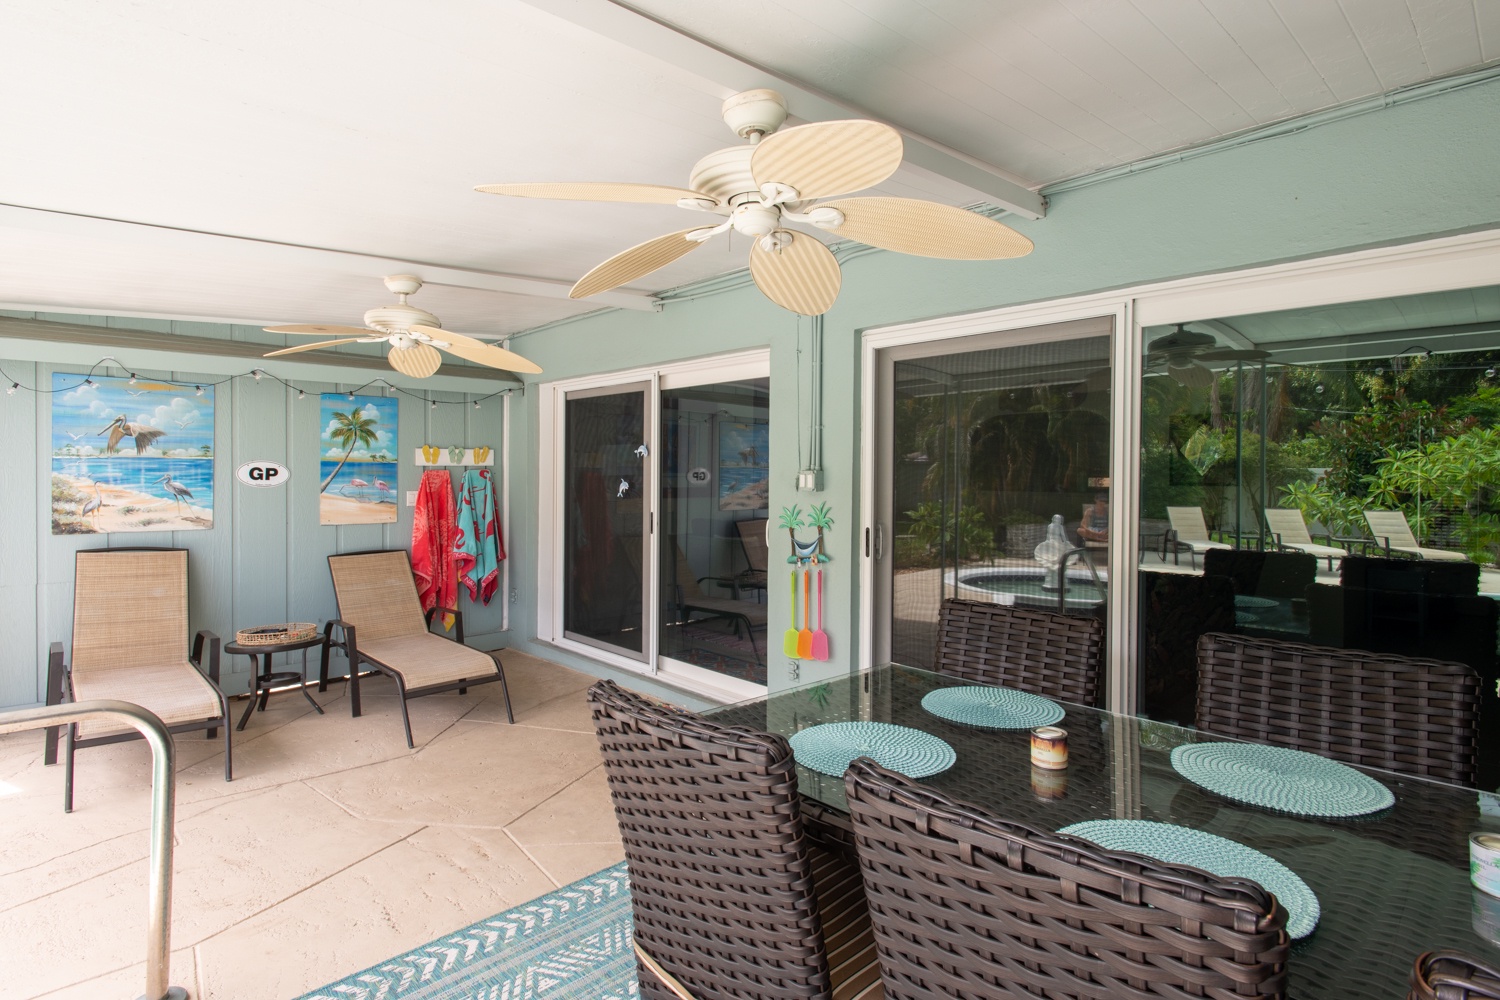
(551, 407)
(1443, 264)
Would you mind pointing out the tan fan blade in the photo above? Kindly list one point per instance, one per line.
(315, 346)
(828, 158)
(802, 276)
(641, 259)
(418, 360)
(479, 352)
(325, 330)
(643, 194)
(927, 229)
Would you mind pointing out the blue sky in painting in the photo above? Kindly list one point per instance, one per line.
(381, 408)
(80, 412)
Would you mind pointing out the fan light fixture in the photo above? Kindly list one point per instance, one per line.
(414, 335)
(780, 179)
(1182, 352)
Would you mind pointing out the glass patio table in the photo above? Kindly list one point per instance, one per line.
(1391, 885)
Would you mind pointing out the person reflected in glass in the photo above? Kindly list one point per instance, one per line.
(1094, 528)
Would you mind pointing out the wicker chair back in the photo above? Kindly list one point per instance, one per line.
(1415, 716)
(1452, 975)
(968, 905)
(1046, 653)
(720, 878)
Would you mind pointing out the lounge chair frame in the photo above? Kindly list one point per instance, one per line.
(1188, 531)
(1393, 535)
(348, 641)
(60, 690)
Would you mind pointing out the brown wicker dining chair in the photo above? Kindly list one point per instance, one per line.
(130, 635)
(1043, 652)
(1452, 975)
(965, 904)
(1397, 713)
(381, 623)
(731, 901)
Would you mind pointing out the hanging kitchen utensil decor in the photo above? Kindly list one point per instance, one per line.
(804, 643)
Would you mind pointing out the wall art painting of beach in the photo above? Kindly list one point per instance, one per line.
(130, 455)
(358, 449)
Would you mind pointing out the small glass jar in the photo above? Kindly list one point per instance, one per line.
(1049, 748)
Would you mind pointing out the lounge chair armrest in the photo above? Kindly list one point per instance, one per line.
(57, 670)
(458, 620)
(346, 637)
(204, 635)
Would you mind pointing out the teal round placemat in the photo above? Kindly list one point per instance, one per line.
(1293, 781)
(1250, 601)
(1181, 846)
(992, 707)
(829, 748)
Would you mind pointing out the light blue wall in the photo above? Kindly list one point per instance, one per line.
(263, 561)
(1408, 172)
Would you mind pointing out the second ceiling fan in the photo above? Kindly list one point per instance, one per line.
(780, 179)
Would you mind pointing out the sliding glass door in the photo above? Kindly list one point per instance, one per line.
(661, 556)
(995, 480)
(607, 518)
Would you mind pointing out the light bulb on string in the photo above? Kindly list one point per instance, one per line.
(88, 381)
(301, 394)
(351, 397)
(132, 378)
(13, 387)
(198, 390)
(476, 404)
(433, 405)
(257, 373)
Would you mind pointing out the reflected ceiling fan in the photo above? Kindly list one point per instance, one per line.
(415, 336)
(1182, 352)
(780, 179)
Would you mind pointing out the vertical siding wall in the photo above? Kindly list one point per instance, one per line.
(263, 561)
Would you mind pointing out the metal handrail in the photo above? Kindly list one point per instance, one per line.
(163, 808)
(1062, 575)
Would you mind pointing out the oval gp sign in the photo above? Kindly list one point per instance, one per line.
(263, 474)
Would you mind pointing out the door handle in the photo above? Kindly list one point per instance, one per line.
(879, 542)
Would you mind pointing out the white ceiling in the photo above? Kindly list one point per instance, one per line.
(269, 161)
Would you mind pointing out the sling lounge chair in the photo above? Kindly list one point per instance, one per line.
(381, 624)
(1393, 533)
(130, 630)
(691, 599)
(1290, 531)
(1188, 532)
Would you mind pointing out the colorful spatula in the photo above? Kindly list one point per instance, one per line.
(820, 638)
(790, 636)
(804, 638)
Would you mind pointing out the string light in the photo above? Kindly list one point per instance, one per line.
(201, 389)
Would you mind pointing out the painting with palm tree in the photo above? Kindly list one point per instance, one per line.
(357, 482)
(744, 465)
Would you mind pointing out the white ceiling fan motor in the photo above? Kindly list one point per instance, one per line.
(398, 319)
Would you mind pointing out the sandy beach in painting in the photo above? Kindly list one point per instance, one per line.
(343, 510)
(123, 510)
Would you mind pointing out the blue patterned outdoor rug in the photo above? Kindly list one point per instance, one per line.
(571, 944)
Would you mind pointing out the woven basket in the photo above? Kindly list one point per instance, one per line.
(268, 635)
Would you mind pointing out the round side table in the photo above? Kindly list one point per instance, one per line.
(262, 677)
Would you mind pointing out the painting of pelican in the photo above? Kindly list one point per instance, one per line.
(130, 457)
(120, 428)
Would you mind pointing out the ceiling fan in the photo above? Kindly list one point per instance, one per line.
(780, 179)
(1182, 352)
(415, 336)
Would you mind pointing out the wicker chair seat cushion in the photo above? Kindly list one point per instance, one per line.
(853, 965)
(377, 594)
(425, 660)
(176, 692)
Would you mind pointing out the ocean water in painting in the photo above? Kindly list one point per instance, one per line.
(140, 474)
(368, 481)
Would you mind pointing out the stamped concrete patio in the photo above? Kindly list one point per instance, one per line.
(334, 847)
